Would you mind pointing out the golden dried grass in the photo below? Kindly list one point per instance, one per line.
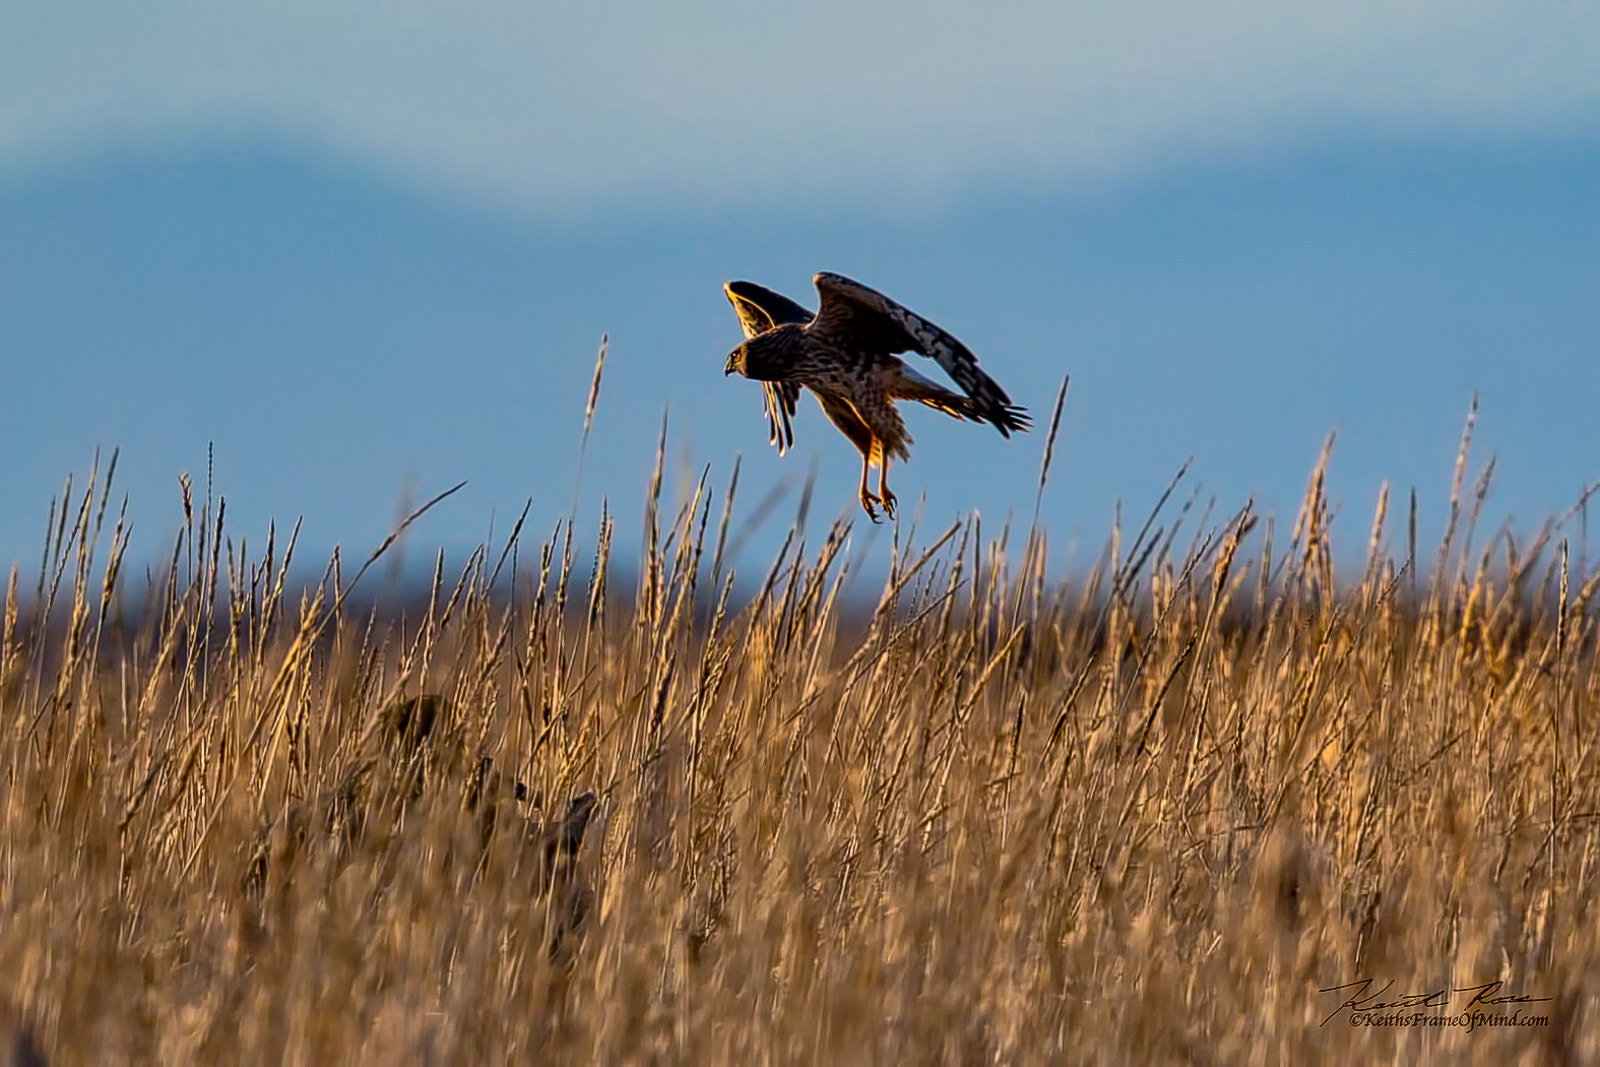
(1146, 814)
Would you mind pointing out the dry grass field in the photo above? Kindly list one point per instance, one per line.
(1148, 814)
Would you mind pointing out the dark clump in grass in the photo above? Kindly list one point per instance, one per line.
(404, 759)
(1150, 813)
(18, 1047)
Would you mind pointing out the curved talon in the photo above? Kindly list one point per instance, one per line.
(885, 497)
(867, 500)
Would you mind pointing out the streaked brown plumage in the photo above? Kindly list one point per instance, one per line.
(847, 356)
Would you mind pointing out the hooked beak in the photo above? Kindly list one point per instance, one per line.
(730, 366)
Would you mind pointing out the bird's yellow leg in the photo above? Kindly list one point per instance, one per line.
(884, 496)
(867, 499)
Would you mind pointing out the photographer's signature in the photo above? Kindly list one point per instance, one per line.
(1482, 996)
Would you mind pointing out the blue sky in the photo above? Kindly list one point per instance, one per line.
(366, 259)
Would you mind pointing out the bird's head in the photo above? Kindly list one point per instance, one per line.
(766, 357)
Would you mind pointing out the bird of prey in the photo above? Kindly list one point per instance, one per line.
(846, 355)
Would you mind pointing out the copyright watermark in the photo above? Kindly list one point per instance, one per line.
(1470, 1020)
(1474, 1006)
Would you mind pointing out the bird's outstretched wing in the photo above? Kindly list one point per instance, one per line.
(759, 310)
(861, 320)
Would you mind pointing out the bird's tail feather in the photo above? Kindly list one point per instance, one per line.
(997, 411)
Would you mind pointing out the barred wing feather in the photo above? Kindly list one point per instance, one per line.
(858, 319)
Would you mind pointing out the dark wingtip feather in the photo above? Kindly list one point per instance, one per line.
(1012, 418)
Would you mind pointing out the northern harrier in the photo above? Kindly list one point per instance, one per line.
(846, 355)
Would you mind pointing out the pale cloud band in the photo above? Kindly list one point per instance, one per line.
(555, 107)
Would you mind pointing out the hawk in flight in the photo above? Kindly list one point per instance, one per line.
(846, 355)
